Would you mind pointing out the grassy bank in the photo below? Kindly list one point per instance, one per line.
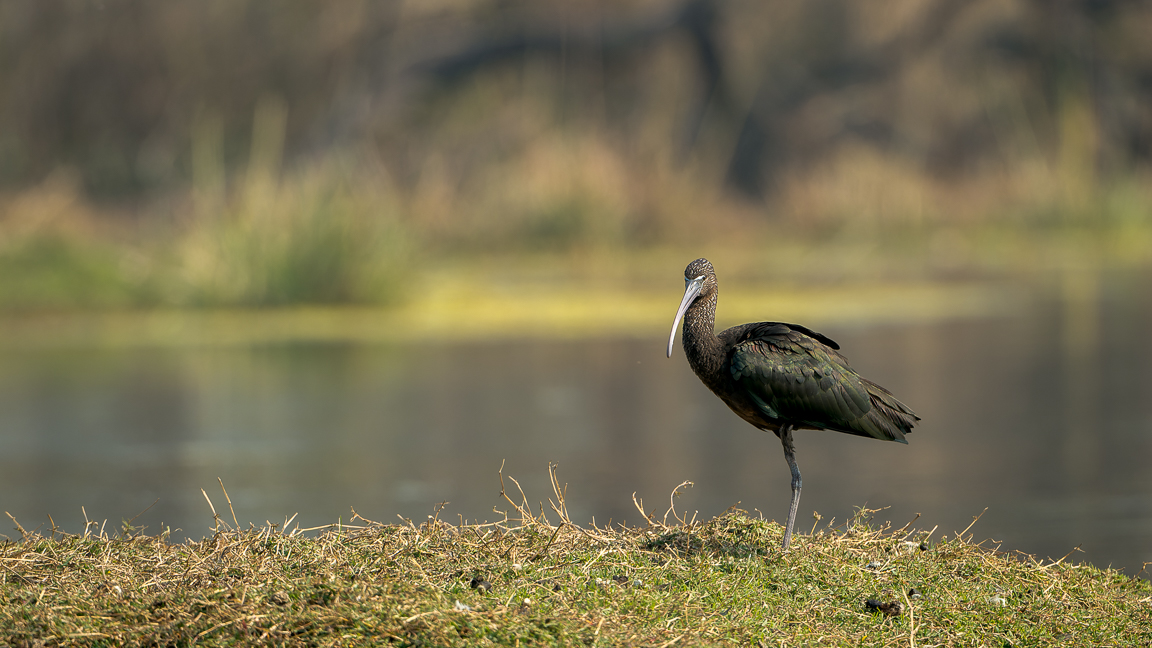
(528, 580)
(470, 311)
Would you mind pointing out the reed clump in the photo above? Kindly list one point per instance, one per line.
(325, 232)
(539, 579)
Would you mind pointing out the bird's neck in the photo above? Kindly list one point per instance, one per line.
(701, 346)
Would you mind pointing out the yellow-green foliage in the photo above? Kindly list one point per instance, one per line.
(316, 239)
(336, 229)
(327, 232)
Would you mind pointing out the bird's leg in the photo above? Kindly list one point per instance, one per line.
(790, 455)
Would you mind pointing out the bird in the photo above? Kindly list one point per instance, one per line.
(782, 377)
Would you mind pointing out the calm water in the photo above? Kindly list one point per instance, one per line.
(1043, 417)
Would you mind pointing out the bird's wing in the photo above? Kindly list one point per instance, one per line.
(794, 376)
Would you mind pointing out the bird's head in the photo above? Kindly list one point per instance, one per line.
(699, 281)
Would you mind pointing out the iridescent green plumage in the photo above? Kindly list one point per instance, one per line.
(794, 374)
(782, 377)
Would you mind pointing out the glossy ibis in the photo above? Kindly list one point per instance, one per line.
(782, 377)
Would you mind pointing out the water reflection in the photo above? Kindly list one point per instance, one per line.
(1046, 419)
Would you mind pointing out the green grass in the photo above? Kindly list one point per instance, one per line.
(528, 581)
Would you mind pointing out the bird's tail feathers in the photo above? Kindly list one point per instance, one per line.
(889, 418)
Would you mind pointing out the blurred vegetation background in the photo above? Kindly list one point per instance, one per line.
(225, 153)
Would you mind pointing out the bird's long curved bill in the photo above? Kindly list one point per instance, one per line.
(691, 290)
